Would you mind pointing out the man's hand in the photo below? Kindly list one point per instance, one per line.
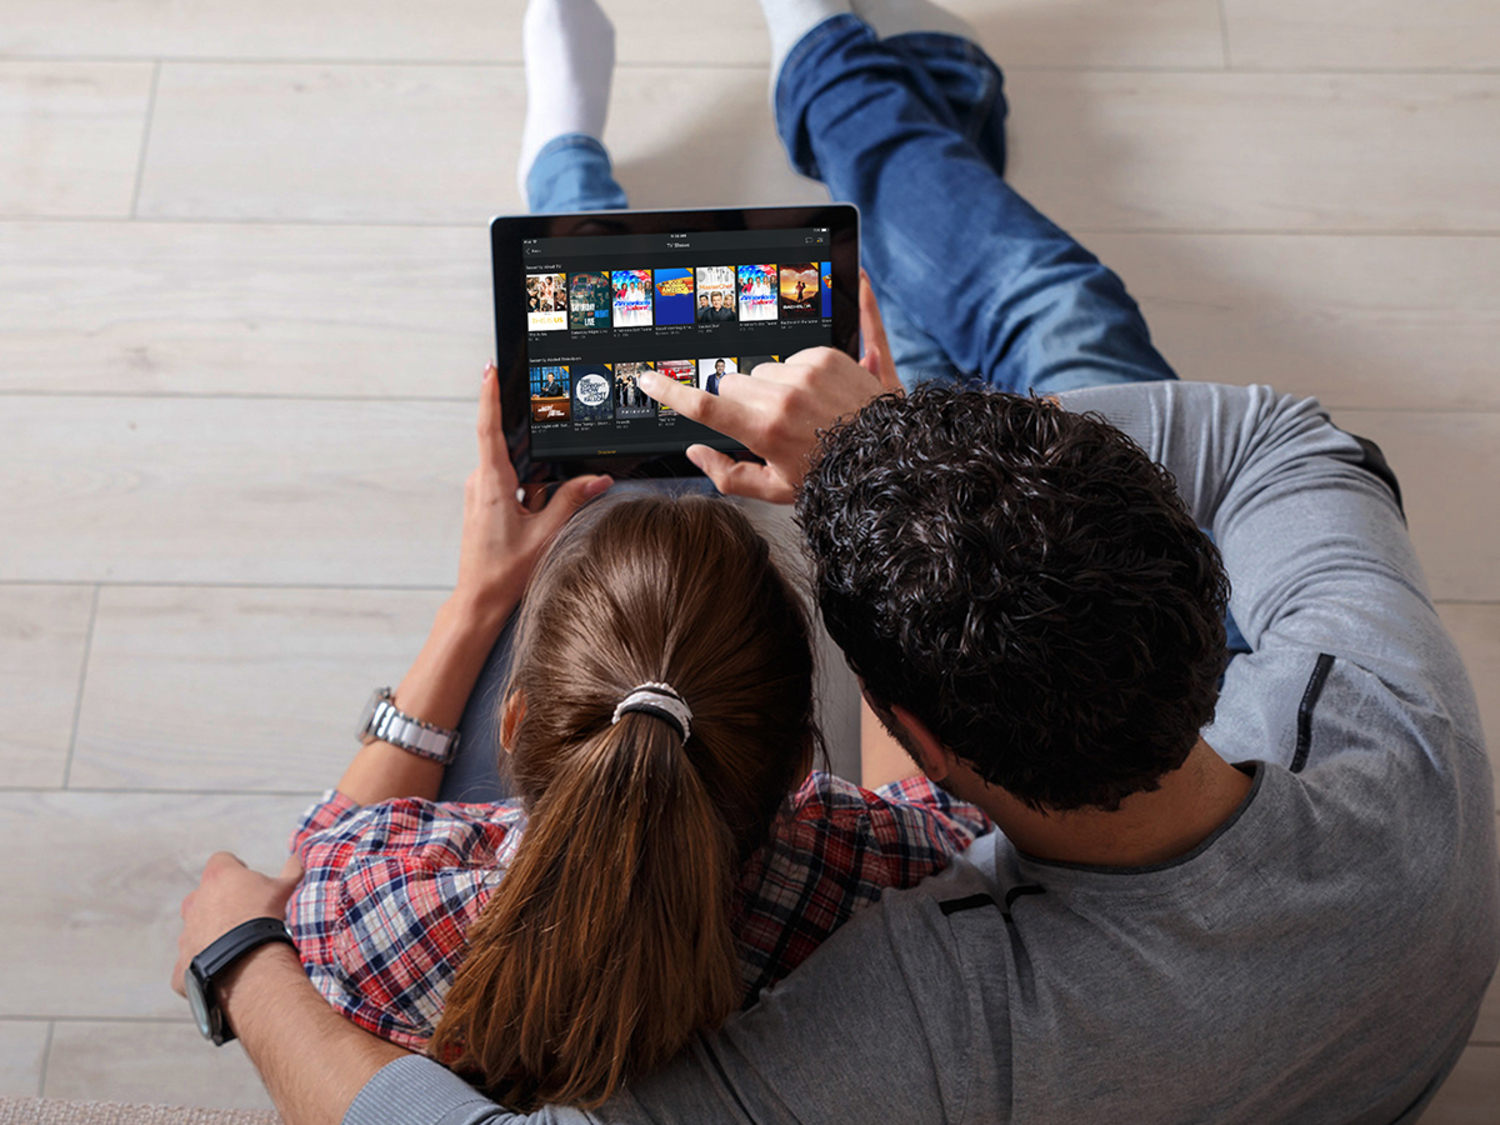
(312, 1060)
(777, 412)
(228, 893)
(503, 537)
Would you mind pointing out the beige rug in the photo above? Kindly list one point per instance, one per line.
(56, 1111)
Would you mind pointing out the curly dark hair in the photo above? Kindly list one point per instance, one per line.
(1024, 580)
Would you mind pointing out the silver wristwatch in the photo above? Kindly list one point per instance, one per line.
(383, 722)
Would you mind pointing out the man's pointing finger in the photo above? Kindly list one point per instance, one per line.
(712, 410)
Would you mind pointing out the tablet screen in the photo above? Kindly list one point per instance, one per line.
(695, 296)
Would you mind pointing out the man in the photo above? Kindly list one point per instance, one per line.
(551, 387)
(717, 311)
(1289, 914)
(711, 385)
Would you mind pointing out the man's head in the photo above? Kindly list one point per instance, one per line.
(718, 367)
(703, 300)
(1024, 581)
(717, 299)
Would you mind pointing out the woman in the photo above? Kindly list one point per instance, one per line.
(658, 714)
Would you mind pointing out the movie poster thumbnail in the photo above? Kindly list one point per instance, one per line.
(674, 297)
(684, 371)
(799, 292)
(716, 295)
(593, 392)
(710, 371)
(632, 303)
(589, 298)
(757, 293)
(748, 363)
(546, 302)
(630, 400)
(550, 397)
(827, 294)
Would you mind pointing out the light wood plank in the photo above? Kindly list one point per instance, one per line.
(1472, 1091)
(1102, 151)
(721, 150)
(93, 912)
(476, 30)
(334, 143)
(1363, 34)
(43, 633)
(1133, 33)
(152, 1063)
(1373, 321)
(1476, 631)
(70, 136)
(244, 309)
(728, 32)
(1359, 320)
(238, 689)
(1449, 469)
(398, 144)
(22, 1046)
(233, 491)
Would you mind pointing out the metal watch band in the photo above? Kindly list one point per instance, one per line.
(390, 724)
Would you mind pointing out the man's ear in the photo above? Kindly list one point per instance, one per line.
(922, 744)
(511, 714)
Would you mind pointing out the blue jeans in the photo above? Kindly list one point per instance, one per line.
(974, 283)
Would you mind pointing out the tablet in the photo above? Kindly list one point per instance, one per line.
(585, 302)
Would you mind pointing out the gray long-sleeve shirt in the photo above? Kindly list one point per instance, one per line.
(1320, 958)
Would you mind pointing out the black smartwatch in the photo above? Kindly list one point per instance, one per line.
(214, 961)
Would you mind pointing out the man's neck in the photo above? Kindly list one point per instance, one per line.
(1192, 801)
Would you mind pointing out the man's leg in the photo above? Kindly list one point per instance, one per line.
(911, 130)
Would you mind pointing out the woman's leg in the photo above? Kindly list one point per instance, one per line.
(569, 48)
(911, 130)
(573, 173)
(477, 773)
(569, 51)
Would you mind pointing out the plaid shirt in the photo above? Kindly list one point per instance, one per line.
(391, 889)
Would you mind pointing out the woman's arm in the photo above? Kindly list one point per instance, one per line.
(502, 539)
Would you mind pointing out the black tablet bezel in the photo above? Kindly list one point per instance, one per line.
(509, 233)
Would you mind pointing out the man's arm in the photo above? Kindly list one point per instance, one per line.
(882, 1023)
(805, 1053)
(313, 1061)
(1316, 549)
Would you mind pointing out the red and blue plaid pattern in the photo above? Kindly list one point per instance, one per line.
(390, 890)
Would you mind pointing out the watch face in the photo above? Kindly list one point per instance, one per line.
(199, 1004)
(368, 715)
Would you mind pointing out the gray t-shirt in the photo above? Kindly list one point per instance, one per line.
(1320, 958)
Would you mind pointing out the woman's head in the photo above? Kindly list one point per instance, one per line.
(680, 591)
(607, 944)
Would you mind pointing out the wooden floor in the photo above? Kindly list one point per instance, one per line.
(244, 304)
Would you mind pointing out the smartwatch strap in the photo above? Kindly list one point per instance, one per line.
(225, 951)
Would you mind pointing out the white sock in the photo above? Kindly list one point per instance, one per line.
(569, 48)
(897, 17)
(789, 20)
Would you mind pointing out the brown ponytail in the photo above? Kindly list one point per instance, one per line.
(607, 944)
